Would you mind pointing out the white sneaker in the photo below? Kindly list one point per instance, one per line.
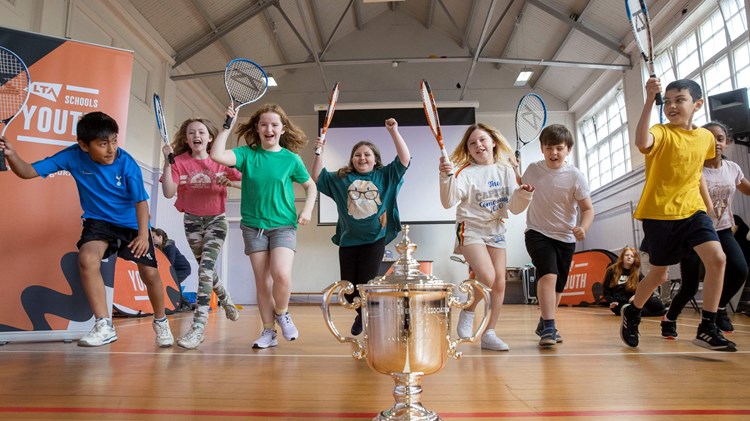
(164, 338)
(230, 310)
(465, 326)
(267, 339)
(288, 329)
(101, 334)
(491, 341)
(192, 338)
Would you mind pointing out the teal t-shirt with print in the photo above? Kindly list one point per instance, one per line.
(366, 203)
(267, 191)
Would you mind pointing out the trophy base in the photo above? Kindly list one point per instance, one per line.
(412, 412)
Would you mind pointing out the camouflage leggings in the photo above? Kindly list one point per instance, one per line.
(205, 235)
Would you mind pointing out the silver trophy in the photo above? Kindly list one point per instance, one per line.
(406, 321)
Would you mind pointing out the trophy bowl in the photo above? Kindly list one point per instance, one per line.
(406, 327)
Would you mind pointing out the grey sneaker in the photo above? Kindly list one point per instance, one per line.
(490, 340)
(549, 337)
(101, 334)
(540, 329)
(192, 338)
(230, 310)
(267, 339)
(288, 329)
(465, 326)
(164, 338)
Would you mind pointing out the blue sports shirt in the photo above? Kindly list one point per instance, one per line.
(107, 192)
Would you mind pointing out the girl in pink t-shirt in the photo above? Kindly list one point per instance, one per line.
(201, 188)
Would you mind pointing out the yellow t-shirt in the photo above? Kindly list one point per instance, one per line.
(673, 172)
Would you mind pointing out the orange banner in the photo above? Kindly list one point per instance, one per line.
(586, 276)
(40, 218)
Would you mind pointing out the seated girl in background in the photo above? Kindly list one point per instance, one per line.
(621, 280)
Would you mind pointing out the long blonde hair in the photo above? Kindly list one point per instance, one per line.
(293, 138)
(635, 270)
(180, 144)
(461, 156)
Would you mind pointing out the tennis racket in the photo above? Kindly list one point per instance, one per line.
(329, 114)
(531, 117)
(431, 111)
(14, 91)
(246, 82)
(162, 125)
(641, 25)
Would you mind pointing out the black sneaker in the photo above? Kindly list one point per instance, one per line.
(629, 327)
(668, 329)
(357, 325)
(709, 336)
(723, 322)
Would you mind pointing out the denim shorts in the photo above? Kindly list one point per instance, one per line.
(259, 239)
(666, 242)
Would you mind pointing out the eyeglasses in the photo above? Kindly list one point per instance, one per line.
(368, 194)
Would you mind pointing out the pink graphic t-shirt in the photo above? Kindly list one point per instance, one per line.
(197, 190)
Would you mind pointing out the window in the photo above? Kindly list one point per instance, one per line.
(734, 15)
(605, 137)
(741, 57)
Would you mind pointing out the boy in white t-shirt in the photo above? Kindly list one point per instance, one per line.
(561, 194)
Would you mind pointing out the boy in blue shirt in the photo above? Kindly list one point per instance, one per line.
(115, 217)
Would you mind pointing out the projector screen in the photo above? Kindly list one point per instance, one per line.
(419, 198)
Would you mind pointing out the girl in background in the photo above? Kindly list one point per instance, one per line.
(269, 165)
(201, 188)
(485, 189)
(621, 280)
(178, 261)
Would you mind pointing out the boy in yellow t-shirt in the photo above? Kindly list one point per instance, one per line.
(673, 207)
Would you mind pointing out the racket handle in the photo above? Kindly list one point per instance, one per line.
(228, 122)
(318, 151)
(445, 155)
(3, 167)
(171, 158)
(659, 100)
(518, 155)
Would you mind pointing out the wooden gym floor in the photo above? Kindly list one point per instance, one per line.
(591, 376)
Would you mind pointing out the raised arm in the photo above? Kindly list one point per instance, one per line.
(317, 164)
(19, 167)
(219, 152)
(401, 149)
(168, 185)
(644, 140)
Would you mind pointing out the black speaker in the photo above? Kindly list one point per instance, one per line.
(733, 109)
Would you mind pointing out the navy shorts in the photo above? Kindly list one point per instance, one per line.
(666, 242)
(118, 238)
(550, 256)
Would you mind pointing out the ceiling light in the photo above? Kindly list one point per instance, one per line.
(523, 76)
(271, 80)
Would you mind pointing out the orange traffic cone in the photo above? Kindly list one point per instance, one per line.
(214, 301)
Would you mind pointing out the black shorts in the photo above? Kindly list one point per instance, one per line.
(118, 238)
(666, 242)
(550, 256)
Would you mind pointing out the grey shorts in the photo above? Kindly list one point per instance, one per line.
(258, 239)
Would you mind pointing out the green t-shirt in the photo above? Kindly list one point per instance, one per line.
(267, 191)
(366, 204)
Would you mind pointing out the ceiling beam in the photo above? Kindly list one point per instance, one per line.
(430, 14)
(358, 21)
(335, 29)
(481, 47)
(475, 58)
(207, 39)
(230, 52)
(461, 41)
(277, 44)
(579, 26)
(468, 26)
(422, 60)
(305, 20)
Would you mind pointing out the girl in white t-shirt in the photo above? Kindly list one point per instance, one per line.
(723, 178)
(484, 186)
(201, 188)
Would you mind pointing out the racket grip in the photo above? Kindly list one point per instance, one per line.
(447, 159)
(659, 100)
(228, 122)
(171, 158)
(3, 167)
(318, 151)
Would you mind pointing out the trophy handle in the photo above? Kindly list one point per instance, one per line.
(469, 286)
(344, 287)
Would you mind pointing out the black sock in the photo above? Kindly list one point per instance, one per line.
(633, 310)
(708, 316)
(549, 324)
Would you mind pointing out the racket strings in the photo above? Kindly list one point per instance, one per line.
(14, 84)
(529, 118)
(245, 82)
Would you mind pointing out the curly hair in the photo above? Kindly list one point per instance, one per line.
(461, 155)
(293, 138)
(343, 171)
(635, 270)
(180, 142)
